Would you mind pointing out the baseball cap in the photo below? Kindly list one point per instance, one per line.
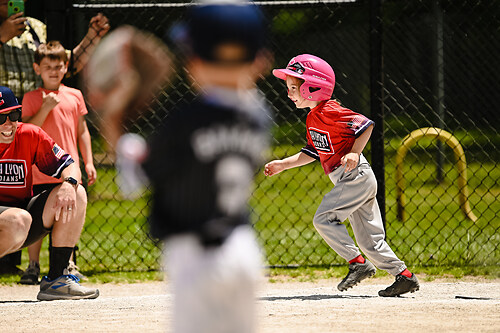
(7, 100)
(211, 26)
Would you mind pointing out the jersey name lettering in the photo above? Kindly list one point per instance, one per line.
(208, 143)
(12, 172)
(321, 140)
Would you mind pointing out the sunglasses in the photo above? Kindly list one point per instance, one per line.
(13, 116)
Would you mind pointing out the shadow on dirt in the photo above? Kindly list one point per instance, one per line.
(19, 301)
(312, 297)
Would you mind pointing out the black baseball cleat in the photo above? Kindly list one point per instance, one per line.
(31, 274)
(402, 285)
(357, 273)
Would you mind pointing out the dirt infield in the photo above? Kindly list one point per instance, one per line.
(283, 307)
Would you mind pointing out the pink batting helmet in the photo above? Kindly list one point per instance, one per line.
(318, 76)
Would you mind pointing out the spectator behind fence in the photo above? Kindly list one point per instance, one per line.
(19, 38)
(24, 218)
(60, 111)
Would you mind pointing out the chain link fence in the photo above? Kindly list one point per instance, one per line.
(413, 64)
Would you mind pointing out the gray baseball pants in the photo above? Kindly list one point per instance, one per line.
(353, 198)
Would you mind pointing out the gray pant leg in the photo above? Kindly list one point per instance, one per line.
(337, 205)
(328, 222)
(368, 228)
(353, 197)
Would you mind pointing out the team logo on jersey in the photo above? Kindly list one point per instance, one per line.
(321, 140)
(12, 173)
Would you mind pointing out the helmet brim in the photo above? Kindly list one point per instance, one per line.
(282, 73)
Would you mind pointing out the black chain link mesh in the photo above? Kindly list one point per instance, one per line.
(440, 70)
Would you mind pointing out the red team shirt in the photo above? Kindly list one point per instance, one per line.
(31, 145)
(331, 132)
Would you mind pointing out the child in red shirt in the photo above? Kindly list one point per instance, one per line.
(336, 136)
(60, 111)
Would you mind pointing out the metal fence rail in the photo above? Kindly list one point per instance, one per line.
(407, 64)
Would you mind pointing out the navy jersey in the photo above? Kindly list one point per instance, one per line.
(201, 166)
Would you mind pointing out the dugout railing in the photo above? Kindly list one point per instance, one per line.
(405, 64)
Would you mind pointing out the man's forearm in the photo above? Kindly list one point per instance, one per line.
(82, 52)
(71, 171)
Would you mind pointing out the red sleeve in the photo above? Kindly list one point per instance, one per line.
(357, 122)
(50, 158)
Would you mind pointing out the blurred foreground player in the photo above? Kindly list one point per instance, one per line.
(201, 167)
(202, 160)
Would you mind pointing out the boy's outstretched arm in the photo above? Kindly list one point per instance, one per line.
(351, 159)
(274, 167)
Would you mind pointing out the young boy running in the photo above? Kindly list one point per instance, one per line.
(336, 136)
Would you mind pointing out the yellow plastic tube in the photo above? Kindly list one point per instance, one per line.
(452, 142)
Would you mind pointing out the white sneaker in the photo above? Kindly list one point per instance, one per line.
(64, 287)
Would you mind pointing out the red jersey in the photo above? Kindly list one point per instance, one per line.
(31, 146)
(331, 132)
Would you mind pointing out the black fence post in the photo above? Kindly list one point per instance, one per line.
(377, 100)
(57, 13)
(438, 83)
(60, 26)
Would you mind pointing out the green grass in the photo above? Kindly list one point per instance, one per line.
(436, 234)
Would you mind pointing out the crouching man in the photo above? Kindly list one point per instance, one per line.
(25, 218)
